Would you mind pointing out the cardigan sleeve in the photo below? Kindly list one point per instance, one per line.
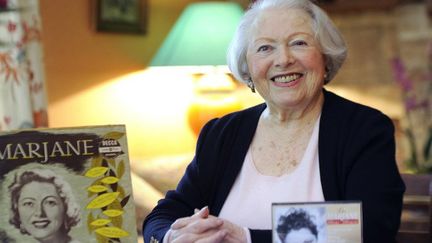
(371, 175)
(189, 194)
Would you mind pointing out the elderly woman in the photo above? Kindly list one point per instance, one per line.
(43, 206)
(303, 144)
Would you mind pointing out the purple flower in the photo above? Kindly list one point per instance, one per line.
(417, 108)
(400, 75)
(411, 103)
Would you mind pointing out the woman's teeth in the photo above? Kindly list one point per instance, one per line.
(286, 78)
(41, 224)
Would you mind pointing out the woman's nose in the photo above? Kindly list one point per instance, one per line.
(40, 210)
(284, 57)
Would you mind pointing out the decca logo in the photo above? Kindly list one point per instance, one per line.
(110, 148)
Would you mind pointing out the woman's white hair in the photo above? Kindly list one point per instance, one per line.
(332, 44)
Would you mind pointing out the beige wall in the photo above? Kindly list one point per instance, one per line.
(77, 57)
(83, 67)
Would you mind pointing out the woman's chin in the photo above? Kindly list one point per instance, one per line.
(285, 103)
(46, 236)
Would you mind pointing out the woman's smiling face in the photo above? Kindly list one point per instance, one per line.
(41, 210)
(284, 58)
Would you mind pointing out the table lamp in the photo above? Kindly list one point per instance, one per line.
(200, 37)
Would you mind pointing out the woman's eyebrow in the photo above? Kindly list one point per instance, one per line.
(51, 196)
(300, 34)
(27, 198)
(290, 36)
(261, 39)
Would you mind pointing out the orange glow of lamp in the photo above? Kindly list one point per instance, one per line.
(200, 38)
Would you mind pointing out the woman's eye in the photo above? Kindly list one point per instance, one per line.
(299, 43)
(263, 48)
(27, 204)
(51, 203)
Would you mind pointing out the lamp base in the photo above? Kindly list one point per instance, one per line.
(208, 106)
(214, 97)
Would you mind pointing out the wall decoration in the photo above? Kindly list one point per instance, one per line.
(121, 16)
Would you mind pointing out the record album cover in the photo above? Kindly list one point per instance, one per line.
(66, 185)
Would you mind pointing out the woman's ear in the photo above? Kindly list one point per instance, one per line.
(246, 76)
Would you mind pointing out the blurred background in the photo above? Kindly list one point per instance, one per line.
(95, 77)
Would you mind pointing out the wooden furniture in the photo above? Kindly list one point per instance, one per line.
(416, 220)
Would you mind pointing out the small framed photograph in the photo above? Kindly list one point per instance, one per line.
(121, 16)
(325, 222)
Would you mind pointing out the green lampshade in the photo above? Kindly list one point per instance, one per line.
(200, 36)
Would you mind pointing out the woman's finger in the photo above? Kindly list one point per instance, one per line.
(214, 238)
(203, 213)
(203, 225)
(198, 226)
(182, 222)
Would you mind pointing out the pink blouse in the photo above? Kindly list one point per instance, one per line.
(249, 201)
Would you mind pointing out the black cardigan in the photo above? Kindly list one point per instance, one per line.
(356, 159)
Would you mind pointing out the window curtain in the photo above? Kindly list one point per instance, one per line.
(22, 82)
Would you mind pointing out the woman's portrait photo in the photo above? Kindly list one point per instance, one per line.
(42, 205)
(300, 225)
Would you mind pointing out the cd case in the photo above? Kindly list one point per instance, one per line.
(330, 222)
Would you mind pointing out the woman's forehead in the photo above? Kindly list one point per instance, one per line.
(39, 187)
(283, 20)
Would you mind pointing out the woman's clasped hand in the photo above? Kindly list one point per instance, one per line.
(202, 227)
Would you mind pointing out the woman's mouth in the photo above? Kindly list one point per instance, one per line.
(40, 224)
(286, 78)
